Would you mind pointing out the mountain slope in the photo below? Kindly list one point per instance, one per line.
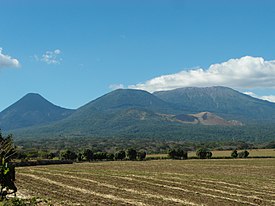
(206, 118)
(31, 110)
(122, 99)
(115, 112)
(223, 101)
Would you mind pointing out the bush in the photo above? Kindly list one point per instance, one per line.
(131, 154)
(204, 153)
(68, 155)
(177, 154)
(234, 154)
(141, 155)
(88, 155)
(120, 155)
(243, 154)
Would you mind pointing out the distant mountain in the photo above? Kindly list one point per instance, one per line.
(222, 101)
(116, 112)
(189, 113)
(122, 99)
(31, 110)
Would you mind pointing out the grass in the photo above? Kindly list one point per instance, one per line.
(160, 182)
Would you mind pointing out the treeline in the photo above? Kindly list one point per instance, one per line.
(111, 145)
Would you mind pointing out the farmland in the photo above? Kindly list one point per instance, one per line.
(158, 182)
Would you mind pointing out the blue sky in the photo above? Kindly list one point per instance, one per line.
(72, 52)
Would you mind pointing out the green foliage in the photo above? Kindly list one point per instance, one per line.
(7, 171)
(177, 154)
(141, 155)
(110, 156)
(204, 153)
(131, 154)
(120, 155)
(100, 156)
(68, 155)
(243, 154)
(88, 154)
(234, 154)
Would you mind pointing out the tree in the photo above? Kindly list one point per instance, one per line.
(120, 155)
(177, 154)
(68, 155)
(204, 153)
(7, 171)
(110, 156)
(172, 153)
(234, 154)
(100, 155)
(131, 154)
(243, 154)
(88, 154)
(141, 155)
(80, 157)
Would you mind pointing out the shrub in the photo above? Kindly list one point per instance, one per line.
(234, 154)
(177, 154)
(243, 154)
(131, 154)
(204, 153)
(141, 155)
(120, 155)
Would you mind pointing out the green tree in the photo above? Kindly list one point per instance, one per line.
(88, 154)
(204, 153)
(177, 154)
(7, 171)
(120, 155)
(80, 157)
(69, 155)
(141, 155)
(234, 154)
(131, 154)
(172, 153)
(243, 154)
(110, 156)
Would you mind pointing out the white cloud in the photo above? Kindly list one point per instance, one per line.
(116, 86)
(270, 98)
(7, 61)
(50, 57)
(246, 72)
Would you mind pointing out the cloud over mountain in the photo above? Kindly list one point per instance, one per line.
(7, 61)
(245, 72)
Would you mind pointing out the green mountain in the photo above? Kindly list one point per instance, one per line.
(31, 110)
(187, 113)
(120, 111)
(122, 99)
(222, 101)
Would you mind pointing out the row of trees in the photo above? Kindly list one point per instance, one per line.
(89, 155)
(236, 154)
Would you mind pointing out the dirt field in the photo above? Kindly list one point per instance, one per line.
(158, 182)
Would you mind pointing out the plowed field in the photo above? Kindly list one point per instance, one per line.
(159, 182)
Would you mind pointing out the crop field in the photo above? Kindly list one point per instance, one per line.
(159, 182)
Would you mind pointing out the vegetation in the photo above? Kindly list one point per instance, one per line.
(204, 153)
(177, 154)
(7, 171)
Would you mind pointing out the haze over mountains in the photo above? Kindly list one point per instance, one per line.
(135, 112)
